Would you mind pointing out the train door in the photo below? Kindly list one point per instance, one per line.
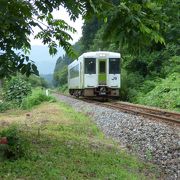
(102, 78)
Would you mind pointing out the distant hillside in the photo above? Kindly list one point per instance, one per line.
(44, 61)
(48, 78)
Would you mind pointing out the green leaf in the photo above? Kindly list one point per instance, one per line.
(105, 19)
(35, 70)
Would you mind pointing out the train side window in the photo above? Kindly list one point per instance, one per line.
(74, 71)
(114, 65)
(90, 66)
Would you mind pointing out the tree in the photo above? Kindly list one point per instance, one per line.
(137, 24)
(89, 31)
(130, 22)
(37, 81)
(60, 71)
(17, 19)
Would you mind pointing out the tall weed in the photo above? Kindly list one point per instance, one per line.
(166, 94)
(36, 98)
(4, 106)
(17, 145)
(16, 89)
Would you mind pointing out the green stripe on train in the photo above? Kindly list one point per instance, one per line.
(102, 71)
(102, 79)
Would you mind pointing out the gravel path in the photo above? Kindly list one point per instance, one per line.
(153, 141)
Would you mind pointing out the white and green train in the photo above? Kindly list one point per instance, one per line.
(95, 74)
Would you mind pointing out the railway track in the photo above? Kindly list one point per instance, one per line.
(146, 111)
(155, 113)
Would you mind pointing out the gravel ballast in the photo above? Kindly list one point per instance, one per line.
(153, 141)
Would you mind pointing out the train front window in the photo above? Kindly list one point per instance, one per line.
(114, 65)
(90, 66)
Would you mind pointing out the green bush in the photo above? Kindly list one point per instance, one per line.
(5, 106)
(171, 65)
(16, 89)
(148, 85)
(166, 94)
(17, 146)
(37, 81)
(130, 83)
(63, 88)
(36, 98)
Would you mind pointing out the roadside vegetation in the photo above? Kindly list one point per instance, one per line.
(20, 92)
(52, 141)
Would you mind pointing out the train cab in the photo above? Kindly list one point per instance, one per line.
(99, 74)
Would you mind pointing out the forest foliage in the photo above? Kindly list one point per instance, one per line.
(18, 19)
(146, 35)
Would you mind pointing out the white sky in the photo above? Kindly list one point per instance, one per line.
(62, 14)
(39, 52)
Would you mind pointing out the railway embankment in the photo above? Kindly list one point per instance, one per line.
(53, 141)
(153, 141)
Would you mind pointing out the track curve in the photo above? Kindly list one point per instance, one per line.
(146, 111)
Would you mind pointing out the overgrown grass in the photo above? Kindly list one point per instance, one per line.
(4, 106)
(17, 146)
(63, 89)
(165, 95)
(67, 145)
(37, 97)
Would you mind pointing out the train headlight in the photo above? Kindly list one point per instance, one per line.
(102, 55)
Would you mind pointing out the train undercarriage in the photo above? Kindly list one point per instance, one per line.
(101, 91)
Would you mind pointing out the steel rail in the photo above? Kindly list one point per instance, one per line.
(155, 113)
(151, 109)
(152, 112)
(147, 111)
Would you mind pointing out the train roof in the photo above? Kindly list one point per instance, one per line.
(73, 63)
(101, 54)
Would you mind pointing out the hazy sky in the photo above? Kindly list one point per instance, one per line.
(62, 14)
(39, 53)
(44, 62)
